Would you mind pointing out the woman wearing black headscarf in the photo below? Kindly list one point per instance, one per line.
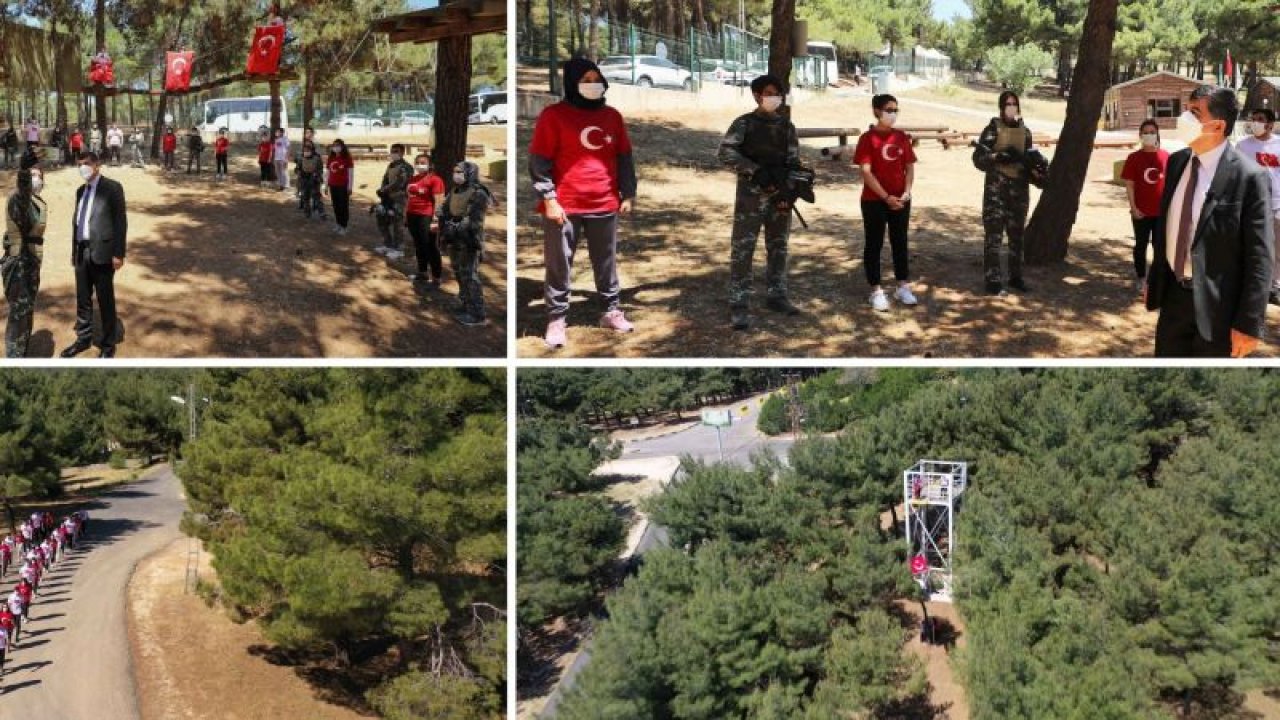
(583, 172)
(26, 216)
(1001, 153)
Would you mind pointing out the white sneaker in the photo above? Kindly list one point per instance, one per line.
(342, 230)
(879, 301)
(395, 254)
(904, 295)
(382, 249)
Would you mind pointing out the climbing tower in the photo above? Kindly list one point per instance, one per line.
(931, 492)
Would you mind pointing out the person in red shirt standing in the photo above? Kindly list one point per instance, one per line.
(582, 168)
(1143, 176)
(221, 148)
(170, 147)
(342, 178)
(77, 146)
(265, 167)
(888, 170)
(425, 190)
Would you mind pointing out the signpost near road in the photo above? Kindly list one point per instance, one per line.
(718, 419)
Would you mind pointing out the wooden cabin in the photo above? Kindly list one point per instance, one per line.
(1161, 95)
(1264, 94)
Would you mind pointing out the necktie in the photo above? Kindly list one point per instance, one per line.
(1185, 230)
(84, 207)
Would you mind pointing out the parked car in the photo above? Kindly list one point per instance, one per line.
(650, 71)
(355, 120)
(725, 72)
(410, 117)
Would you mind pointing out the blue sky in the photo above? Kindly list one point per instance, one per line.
(947, 9)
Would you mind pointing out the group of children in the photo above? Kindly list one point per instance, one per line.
(39, 543)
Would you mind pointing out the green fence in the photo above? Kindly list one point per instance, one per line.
(547, 34)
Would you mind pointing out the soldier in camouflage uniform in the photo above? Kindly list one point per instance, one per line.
(760, 146)
(461, 218)
(394, 193)
(26, 216)
(1006, 193)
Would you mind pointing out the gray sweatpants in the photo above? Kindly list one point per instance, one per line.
(560, 242)
(1275, 270)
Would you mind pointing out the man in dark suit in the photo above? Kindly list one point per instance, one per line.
(1214, 245)
(98, 234)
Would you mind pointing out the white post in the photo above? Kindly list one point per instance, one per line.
(719, 443)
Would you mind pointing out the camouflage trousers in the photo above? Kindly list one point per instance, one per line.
(1004, 210)
(21, 276)
(466, 268)
(751, 212)
(393, 227)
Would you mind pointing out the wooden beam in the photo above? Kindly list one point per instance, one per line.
(476, 26)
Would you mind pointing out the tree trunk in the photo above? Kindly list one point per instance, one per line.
(99, 40)
(58, 89)
(157, 128)
(453, 87)
(308, 92)
(593, 33)
(784, 17)
(276, 105)
(1049, 231)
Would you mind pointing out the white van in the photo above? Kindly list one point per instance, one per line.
(488, 107)
(826, 54)
(241, 115)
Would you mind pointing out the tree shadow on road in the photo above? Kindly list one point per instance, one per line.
(6, 689)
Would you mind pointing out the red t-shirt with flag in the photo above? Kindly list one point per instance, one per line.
(1146, 170)
(422, 194)
(77, 141)
(583, 146)
(220, 146)
(170, 142)
(888, 154)
(340, 170)
(264, 152)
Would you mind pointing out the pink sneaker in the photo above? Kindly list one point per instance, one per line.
(556, 335)
(615, 320)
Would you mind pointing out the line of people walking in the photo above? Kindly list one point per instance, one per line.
(39, 544)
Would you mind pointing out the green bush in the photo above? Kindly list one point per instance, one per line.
(1017, 67)
(773, 416)
(118, 460)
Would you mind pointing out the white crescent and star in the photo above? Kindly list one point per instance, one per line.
(179, 65)
(1146, 175)
(266, 43)
(888, 156)
(585, 138)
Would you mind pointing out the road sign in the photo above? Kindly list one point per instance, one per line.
(717, 418)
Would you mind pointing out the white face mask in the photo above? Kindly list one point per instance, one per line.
(1189, 128)
(395, 157)
(86, 172)
(591, 91)
(459, 178)
(1256, 129)
(422, 168)
(771, 103)
(889, 118)
(37, 185)
(1011, 114)
(1150, 140)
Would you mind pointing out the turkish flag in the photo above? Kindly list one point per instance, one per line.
(264, 56)
(1230, 70)
(177, 74)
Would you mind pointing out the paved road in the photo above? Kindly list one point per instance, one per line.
(75, 661)
(740, 440)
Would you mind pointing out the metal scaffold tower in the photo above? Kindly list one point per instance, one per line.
(931, 492)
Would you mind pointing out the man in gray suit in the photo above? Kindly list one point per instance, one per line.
(98, 232)
(1214, 245)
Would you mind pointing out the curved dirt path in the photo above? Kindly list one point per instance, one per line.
(75, 661)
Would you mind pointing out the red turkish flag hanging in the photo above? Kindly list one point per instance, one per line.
(264, 56)
(177, 74)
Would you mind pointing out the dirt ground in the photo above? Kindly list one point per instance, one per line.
(192, 662)
(231, 270)
(673, 258)
(946, 694)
